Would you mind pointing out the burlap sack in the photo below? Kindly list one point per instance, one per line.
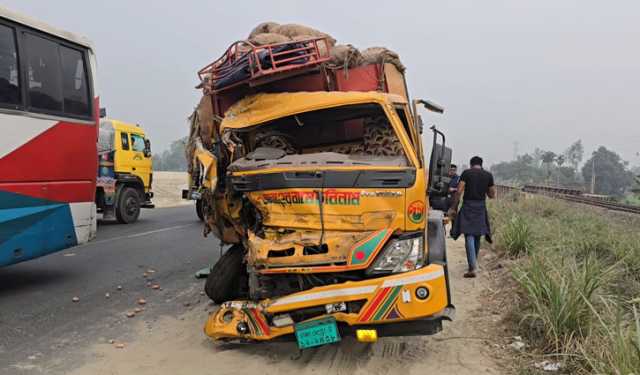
(293, 30)
(345, 55)
(194, 129)
(265, 27)
(205, 117)
(378, 55)
(268, 38)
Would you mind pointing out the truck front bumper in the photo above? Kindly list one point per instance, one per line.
(411, 303)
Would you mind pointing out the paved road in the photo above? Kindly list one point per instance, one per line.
(39, 323)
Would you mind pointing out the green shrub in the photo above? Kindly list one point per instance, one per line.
(558, 292)
(516, 237)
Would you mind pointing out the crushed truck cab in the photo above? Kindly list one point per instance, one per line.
(322, 195)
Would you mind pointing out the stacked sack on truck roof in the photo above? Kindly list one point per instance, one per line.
(341, 56)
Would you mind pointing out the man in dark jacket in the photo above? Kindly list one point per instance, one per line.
(454, 180)
(472, 221)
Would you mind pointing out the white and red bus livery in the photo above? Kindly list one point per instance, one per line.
(49, 115)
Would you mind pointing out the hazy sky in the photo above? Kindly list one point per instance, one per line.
(540, 73)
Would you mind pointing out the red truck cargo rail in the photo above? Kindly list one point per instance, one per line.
(246, 64)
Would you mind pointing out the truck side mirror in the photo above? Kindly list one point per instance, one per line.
(103, 112)
(441, 156)
(147, 148)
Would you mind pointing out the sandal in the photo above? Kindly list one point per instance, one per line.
(470, 274)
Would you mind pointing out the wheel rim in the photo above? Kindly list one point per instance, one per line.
(131, 206)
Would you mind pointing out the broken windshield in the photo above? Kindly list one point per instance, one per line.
(355, 134)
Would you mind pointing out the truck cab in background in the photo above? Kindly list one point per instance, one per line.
(125, 171)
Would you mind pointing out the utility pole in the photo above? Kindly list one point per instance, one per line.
(593, 175)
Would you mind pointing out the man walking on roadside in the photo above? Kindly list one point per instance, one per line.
(472, 221)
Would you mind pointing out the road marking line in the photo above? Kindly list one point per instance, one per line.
(157, 231)
(138, 234)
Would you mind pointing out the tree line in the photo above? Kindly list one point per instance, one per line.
(172, 159)
(604, 171)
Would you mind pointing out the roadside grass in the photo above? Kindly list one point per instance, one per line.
(578, 274)
(516, 237)
(615, 348)
(633, 199)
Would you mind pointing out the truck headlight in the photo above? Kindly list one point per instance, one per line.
(399, 255)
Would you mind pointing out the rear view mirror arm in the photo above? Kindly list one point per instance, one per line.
(431, 106)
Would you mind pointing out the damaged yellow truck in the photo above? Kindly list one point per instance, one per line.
(314, 174)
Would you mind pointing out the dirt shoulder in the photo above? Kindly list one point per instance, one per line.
(173, 345)
(167, 188)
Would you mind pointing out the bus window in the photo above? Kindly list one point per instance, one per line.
(137, 142)
(74, 83)
(9, 87)
(43, 74)
(124, 138)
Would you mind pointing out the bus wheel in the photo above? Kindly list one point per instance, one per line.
(200, 209)
(224, 282)
(128, 207)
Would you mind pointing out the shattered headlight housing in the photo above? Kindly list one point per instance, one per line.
(399, 255)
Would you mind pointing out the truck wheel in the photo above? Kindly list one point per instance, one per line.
(224, 282)
(128, 207)
(200, 209)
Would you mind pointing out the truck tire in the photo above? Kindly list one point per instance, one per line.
(128, 206)
(200, 209)
(225, 279)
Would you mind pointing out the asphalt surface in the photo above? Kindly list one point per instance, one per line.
(39, 322)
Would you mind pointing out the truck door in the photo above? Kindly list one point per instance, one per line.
(124, 155)
(140, 163)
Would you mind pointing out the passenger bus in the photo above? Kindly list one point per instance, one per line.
(49, 115)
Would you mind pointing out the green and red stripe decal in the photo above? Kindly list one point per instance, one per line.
(381, 304)
(257, 325)
(363, 251)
